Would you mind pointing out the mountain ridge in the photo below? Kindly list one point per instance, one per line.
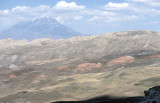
(89, 47)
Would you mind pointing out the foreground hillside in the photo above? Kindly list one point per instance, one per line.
(120, 64)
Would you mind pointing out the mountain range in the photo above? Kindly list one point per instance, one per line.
(38, 28)
(118, 64)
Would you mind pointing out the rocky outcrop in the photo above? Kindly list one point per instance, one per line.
(152, 95)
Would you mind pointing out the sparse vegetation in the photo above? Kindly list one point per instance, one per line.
(47, 70)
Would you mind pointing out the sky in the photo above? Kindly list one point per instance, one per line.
(85, 16)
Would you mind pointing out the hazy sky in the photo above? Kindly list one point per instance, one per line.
(86, 16)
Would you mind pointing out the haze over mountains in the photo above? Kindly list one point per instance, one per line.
(38, 28)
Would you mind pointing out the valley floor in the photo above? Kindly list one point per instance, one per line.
(122, 82)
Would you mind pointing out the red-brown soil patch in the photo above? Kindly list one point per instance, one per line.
(42, 76)
(12, 76)
(63, 68)
(88, 66)
(155, 56)
(39, 78)
(121, 60)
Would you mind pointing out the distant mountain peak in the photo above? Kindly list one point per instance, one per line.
(42, 27)
(45, 20)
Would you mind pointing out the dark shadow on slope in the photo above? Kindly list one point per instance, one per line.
(152, 95)
(107, 99)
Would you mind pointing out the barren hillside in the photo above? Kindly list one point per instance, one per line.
(119, 64)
